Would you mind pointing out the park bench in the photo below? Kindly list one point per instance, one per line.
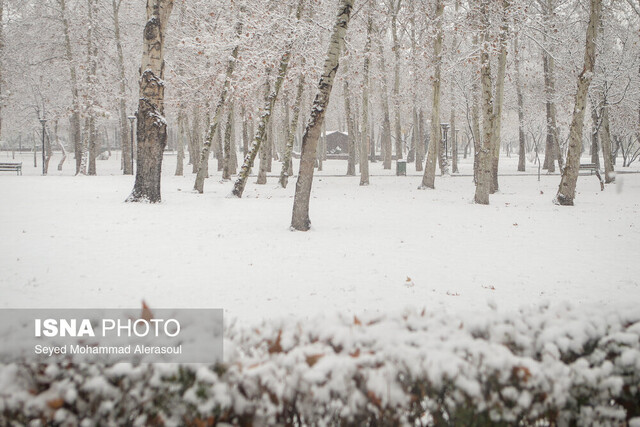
(17, 167)
(591, 167)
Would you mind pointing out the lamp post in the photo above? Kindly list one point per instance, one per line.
(43, 121)
(445, 128)
(132, 119)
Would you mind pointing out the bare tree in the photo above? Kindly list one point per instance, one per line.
(518, 83)
(365, 138)
(300, 217)
(152, 126)
(124, 128)
(567, 189)
(215, 120)
(429, 177)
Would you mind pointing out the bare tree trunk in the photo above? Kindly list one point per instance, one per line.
(420, 147)
(521, 139)
(122, 105)
(595, 124)
(92, 60)
(218, 152)
(498, 100)
(76, 132)
(321, 146)
(364, 140)
(180, 143)
(261, 132)
(483, 185)
(182, 120)
(197, 144)
(605, 138)
(418, 155)
(286, 160)
(47, 150)
(202, 170)
(245, 131)
(262, 168)
(226, 168)
(395, 5)
(300, 217)
(64, 151)
(265, 117)
(567, 189)
(429, 177)
(551, 151)
(351, 131)
(385, 142)
(475, 122)
(152, 126)
(233, 150)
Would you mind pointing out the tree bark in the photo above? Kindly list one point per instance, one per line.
(429, 177)
(395, 5)
(286, 159)
(475, 123)
(265, 117)
(196, 142)
(364, 140)
(264, 145)
(351, 131)
(418, 155)
(499, 99)
(76, 132)
(228, 146)
(92, 60)
(385, 142)
(518, 82)
(151, 126)
(64, 151)
(261, 132)
(124, 125)
(605, 138)
(567, 188)
(180, 143)
(485, 167)
(300, 216)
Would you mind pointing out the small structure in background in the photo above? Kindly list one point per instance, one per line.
(401, 167)
(337, 143)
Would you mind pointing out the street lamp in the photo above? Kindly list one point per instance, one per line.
(445, 128)
(43, 121)
(132, 119)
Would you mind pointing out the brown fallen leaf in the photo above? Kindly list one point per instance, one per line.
(312, 359)
(146, 312)
(275, 347)
(55, 403)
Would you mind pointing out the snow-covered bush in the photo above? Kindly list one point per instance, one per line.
(549, 365)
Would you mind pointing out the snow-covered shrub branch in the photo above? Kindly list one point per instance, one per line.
(544, 364)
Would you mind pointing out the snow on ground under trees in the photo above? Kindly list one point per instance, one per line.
(72, 242)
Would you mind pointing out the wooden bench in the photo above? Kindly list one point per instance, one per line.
(593, 168)
(17, 167)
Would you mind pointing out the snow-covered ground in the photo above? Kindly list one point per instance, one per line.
(70, 241)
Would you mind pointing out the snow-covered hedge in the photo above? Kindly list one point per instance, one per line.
(557, 365)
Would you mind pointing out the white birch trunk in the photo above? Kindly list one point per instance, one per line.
(300, 216)
(429, 176)
(567, 189)
(152, 126)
